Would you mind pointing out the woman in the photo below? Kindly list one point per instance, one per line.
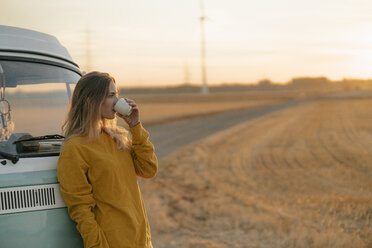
(98, 166)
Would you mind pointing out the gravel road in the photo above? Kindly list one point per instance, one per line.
(167, 138)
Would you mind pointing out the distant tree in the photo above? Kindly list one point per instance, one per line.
(265, 82)
(309, 82)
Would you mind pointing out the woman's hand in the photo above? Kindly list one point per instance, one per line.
(132, 119)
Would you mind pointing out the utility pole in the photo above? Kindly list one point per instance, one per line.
(88, 65)
(186, 73)
(204, 89)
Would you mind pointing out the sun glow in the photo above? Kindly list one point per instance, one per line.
(147, 42)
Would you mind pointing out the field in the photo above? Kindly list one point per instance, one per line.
(157, 109)
(295, 178)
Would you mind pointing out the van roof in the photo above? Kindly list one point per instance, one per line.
(29, 41)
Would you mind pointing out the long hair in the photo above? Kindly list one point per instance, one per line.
(84, 115)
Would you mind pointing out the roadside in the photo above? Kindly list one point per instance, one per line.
(167, 108)
(172, 135)
(169, 137)
(293, 178)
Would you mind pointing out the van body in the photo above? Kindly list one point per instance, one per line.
(37, 76)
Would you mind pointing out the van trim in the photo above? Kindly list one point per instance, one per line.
(30, 164)
(30, 198)
(40, 61)
(39, 53)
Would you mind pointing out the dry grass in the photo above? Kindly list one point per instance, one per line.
(296, 178)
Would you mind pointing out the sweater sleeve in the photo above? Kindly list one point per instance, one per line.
(77, 193)
(144, 158)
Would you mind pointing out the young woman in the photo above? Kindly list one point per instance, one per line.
(98, 166)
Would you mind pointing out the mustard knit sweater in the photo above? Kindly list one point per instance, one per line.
(99, 185)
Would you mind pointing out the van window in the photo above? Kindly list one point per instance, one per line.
(34, 98)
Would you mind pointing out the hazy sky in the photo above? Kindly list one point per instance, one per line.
(148, 42)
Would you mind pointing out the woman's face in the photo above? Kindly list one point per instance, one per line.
(107, 107)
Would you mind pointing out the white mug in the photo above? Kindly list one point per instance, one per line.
(122, 107)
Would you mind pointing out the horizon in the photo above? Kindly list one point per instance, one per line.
(191, 84)
(146, 43)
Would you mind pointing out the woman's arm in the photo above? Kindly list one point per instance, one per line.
(144, 158)
(145, 161)
(77, 193)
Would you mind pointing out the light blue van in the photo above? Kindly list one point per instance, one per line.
(37, 76)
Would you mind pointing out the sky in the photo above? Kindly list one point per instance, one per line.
(157, 42)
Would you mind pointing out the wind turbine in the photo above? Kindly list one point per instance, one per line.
(204, 89)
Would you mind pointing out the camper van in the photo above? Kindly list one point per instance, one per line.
(37, 76)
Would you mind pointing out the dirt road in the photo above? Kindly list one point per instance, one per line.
(167, 138)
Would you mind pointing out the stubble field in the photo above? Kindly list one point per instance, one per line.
(300, 177)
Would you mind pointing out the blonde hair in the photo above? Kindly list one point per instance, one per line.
(84, 115)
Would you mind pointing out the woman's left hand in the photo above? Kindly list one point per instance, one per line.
(132, 119)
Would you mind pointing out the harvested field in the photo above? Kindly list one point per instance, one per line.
(157, 109)
(295, 178)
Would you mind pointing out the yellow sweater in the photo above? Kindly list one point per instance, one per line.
(99, 185)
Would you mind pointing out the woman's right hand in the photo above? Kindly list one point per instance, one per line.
(133, 119)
